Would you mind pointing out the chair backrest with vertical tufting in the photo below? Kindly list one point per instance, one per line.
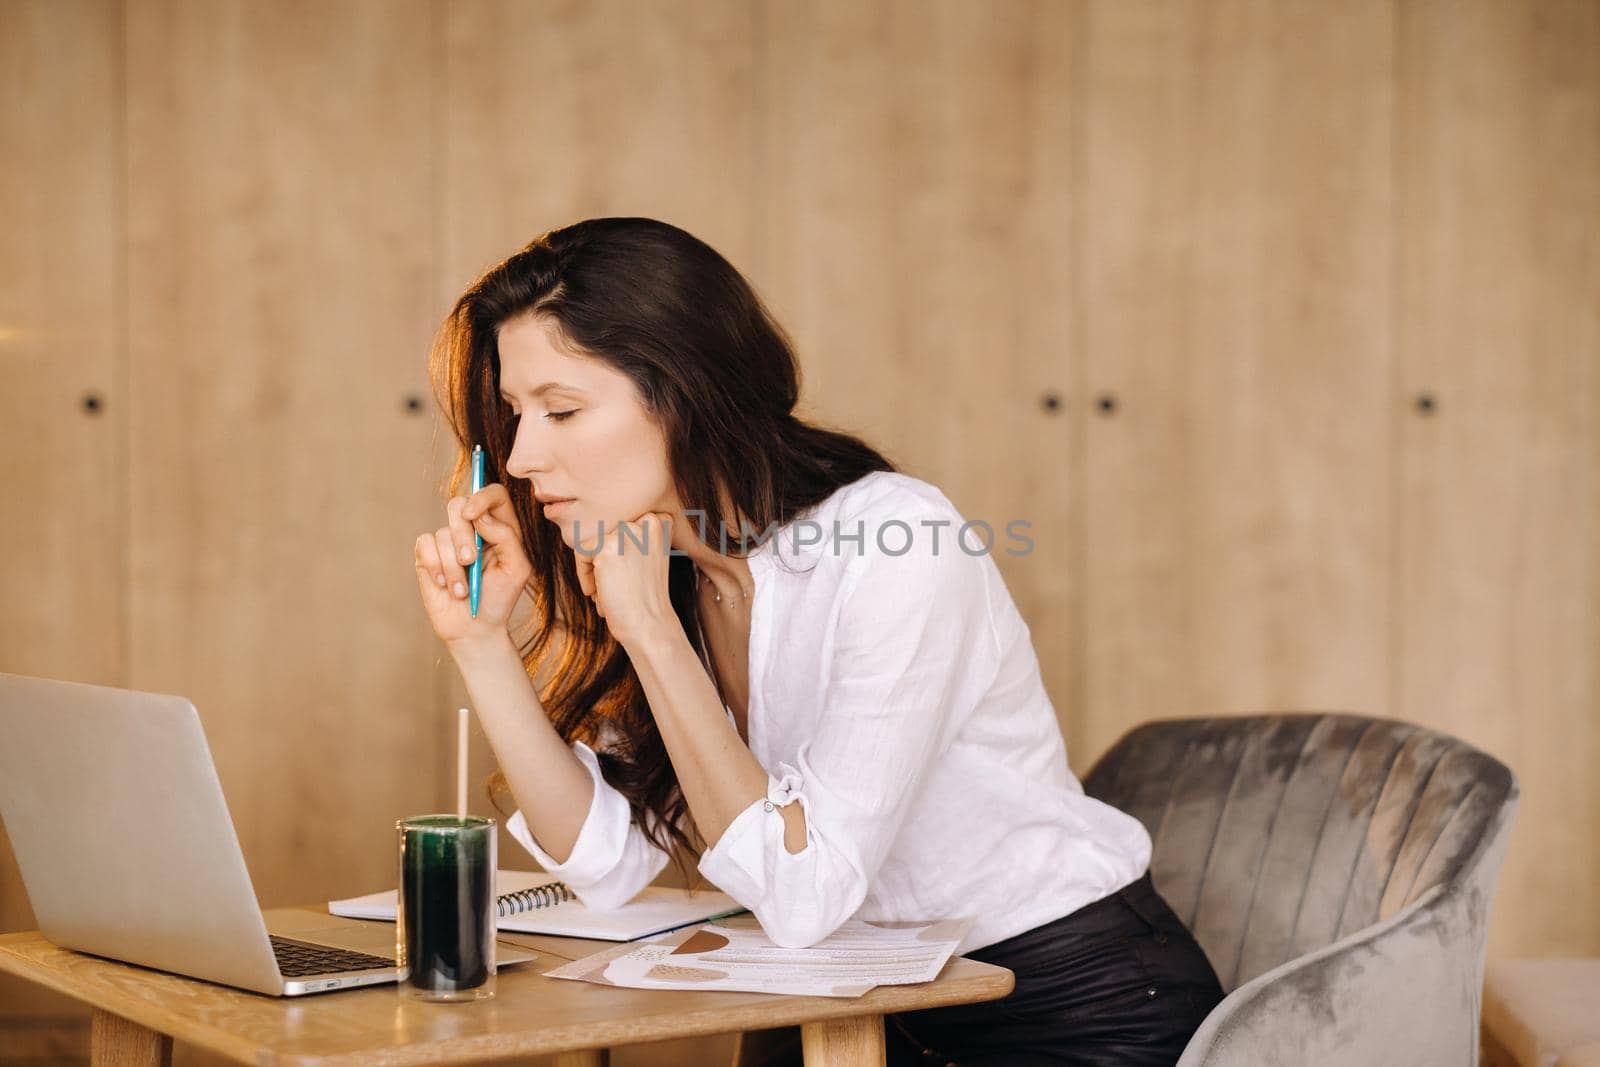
(1275, 835)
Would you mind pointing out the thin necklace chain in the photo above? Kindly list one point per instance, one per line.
(706, 646)
(716, 594)
(705, 651)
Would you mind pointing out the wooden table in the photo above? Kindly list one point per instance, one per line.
(138, 1012)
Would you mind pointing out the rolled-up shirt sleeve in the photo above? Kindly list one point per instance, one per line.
(914, 650)
(612, 858)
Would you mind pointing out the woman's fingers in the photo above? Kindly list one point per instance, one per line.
(503, 550)
(445, 556)
(491, 500)
(660, 538)
(489, 497)
(462, 547)
(585, 574)
(427, 554)
(447, 547)
(494, 528)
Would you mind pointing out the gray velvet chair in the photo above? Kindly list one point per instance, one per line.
(1336, 869)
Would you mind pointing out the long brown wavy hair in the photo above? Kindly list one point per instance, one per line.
(718, 375)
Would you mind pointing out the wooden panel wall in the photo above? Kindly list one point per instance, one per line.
(63, 419)
(916, 219)
(1339, 280)
(280, 209)
(1236, 294)
(1498, 491)
(1163, 280)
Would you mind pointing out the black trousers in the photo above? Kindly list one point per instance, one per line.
(1119, 981)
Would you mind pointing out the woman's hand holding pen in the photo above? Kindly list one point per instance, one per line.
(442, 559)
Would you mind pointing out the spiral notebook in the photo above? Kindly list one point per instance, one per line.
(531, 902)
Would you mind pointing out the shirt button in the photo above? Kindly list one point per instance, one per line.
(768, 805)
(1150, 992)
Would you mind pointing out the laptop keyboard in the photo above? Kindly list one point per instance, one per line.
(296, 959)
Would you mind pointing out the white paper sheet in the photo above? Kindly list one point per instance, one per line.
(734, 954)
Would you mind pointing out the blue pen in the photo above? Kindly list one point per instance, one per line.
(475, 574)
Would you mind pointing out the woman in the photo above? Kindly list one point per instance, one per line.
(753, 645)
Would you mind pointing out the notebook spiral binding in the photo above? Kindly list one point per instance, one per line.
(540, 896)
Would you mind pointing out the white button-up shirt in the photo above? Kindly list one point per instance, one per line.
(895, 694)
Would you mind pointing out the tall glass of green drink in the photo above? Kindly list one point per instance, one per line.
(445, 926)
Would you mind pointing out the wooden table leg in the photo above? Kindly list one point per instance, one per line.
(589, 1057)
(853, 1042)
(118, 1042)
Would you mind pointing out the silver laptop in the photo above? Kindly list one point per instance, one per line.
(126, 848)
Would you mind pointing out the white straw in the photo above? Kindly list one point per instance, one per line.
(461, 765)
